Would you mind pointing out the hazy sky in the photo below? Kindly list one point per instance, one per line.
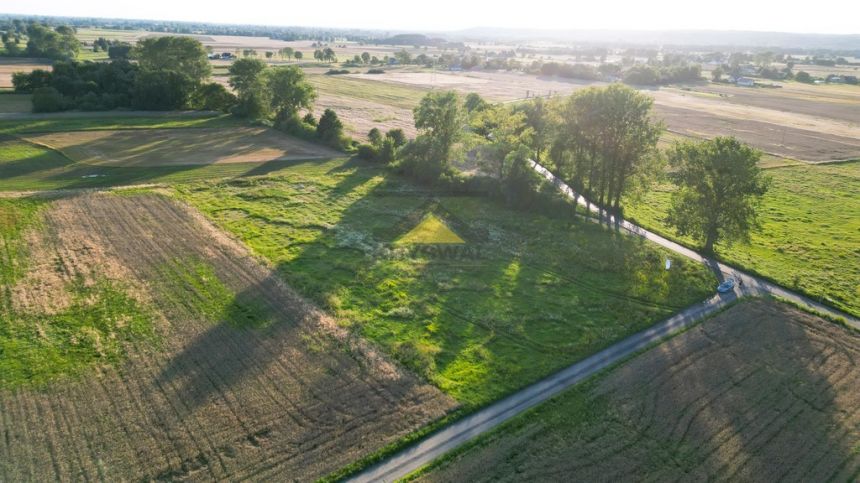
(840, 16)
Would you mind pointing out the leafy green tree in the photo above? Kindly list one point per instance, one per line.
(25, 82)
(500, 131)
(474, 102)
(246, 78)
(60, 43)
(804, 77)
(162, 90)
(289, 91)
(330, 129)
(365, 57)
(286, 53)
(440, 118)
(213, 97)
(329, 55)
(47, 99)
(298, 55)
(520, 183)
(245, 74)
(118, 51)
(375, 137)
(182, 55)
(607, 142)
(720, 187)
(717, 74)
(541, 119)
(269, 54)
(397, 136)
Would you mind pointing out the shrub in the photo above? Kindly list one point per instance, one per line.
(296, 126)
(337, 72)
(330, 131)
(48, 99)
(164, 91)
(398, 136)
(376, 71)
(310, 119)
(26, 83)
(367, 152)
(213, 97)
(375, 137)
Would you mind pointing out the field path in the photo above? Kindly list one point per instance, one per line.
(470, 427)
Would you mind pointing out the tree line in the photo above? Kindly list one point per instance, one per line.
(602, 141)
(37, 40)
(166, 73)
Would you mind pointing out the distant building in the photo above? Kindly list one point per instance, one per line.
(748, 69)
(745, 82)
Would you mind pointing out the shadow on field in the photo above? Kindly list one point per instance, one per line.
(753, 396)
(505, 309)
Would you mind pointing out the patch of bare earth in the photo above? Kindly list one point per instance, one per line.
(173, 147)
(761, 392)
(292, 400)
(10, 65)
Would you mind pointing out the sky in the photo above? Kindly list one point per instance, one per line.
(834, 17)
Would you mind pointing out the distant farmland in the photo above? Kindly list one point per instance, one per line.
(762, 391)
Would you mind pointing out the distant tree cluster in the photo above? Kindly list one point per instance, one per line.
(601, 141)
(59, 43)
(169, 73)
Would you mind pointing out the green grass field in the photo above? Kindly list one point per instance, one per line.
(810, 226)
(508, 308)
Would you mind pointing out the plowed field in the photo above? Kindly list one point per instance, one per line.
(244, 379)
(762, 392)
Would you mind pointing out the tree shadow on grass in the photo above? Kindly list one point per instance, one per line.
(443, 316)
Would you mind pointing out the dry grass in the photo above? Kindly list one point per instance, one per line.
(175, 147)
(248, 380)
(763, 391)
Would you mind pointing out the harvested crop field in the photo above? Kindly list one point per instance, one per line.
(175, 147)
(762, 391)
(240, 378)
(780, 139)
(10, 65)
(790, 122)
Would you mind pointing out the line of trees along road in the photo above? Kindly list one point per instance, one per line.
(601, 141)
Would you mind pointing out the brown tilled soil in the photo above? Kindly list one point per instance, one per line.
(173, 147)
(295, 399)
(790, 142)
(763, 392)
